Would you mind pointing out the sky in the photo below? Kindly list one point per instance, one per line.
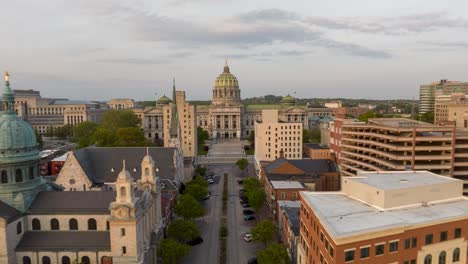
(103, 49)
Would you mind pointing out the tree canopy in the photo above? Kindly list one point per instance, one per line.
(369, 114)
(182, 230)
(170, 251)
(273, 254)
(242, 164)
(188, 207)
(264, 231)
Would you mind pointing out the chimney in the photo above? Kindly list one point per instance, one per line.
(281, 153)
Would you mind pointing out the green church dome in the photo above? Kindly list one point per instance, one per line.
(164, 100)
(17, 138)
(288, 100)
(226, 79)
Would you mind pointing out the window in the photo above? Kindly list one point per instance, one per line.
(321, 237)
(123, 192)
(4, 177)
(349, 255)
(107, 225)
(19, 228)
(26, 260)
(442, 257)
(66, 260)
(124, 250)
(365, 252)
(294, 195)
(36, 224)
(54, 224)
(283, 195)
(429, 239)
(456, 255)
(428, 259)
(379, 249)
(19, 175)
(92, 225)
(413, 261)
(332, 251)
(31, 173)
(457, 232)
(407, 243)
(73, 224)
(443, 236)
(414, 242)
(326, 244)
(393, 246)
(122, 231)
(45, 260)
(85, 260)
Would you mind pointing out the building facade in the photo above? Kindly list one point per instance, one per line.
(429, 92)
(389, 217)
(122, 103)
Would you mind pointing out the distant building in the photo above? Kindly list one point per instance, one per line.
(119, 104)
(386, 217)
(441, 105)
(316, 151)
(289, 225)
(333, 104)
(428, 93)
(282, 190)
(457, 113)
(43, 113)
(274, 139)
(57, 163)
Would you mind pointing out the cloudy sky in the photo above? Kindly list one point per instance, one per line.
(101, 49)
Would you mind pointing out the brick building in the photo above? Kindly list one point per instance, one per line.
(387, 217)
(289, 226)
(316, 151)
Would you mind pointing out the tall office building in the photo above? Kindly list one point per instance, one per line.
(428, 93)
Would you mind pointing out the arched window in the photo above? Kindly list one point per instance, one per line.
(36, 224)
(106, 260)
(456, 255)
(19, 175)
(45, 260)
(85, 260)
(73, 224)
(19, 228)
(123, 192)
(31, 173)
(92, 225)
(442, 257)
(107, 225)
(66, 260)
(146, 171)
(4, 176)
(26, 260)
(54, 224)
(428, 259)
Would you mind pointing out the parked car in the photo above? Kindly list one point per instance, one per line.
(243, 202)
(248, 212)
(240, 181)
(210, 181)
(249, 217)
(244, 198)
(195, 241)
(247, 237)
(252, 261)
(206, 197)
(245, 205)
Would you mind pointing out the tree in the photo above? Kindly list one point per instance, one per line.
(171, 250)
(82, 133)
(251, 183)
(252, 138)
(273, 254)
(114, 119)
(242, 164)
(200, 170)
(427, 117)
(130, 137)
(102, 137)
(197, 191)
(256, 198)
(188, 207)
(198, 180)
(369, 114)
(305, 136)
(39, 139)
(315, 135)
(202, 135)
(182, 230)
(264, 231)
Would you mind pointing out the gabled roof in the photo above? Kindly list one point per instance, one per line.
(65, 241)
(72, 203)
(9, 213)
(102, 165)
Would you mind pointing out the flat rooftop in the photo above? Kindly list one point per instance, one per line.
(287, 185)
(391, 180)
(343, 216)
(399, 122)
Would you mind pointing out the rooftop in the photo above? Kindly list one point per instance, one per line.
(315, 146)
(399, 122)
(72, 102)
(8, 212)
(343, 216)
(65, 241)
(72, 202)
(293, 217)
(398, 180)
(62, 158)
(286, 185)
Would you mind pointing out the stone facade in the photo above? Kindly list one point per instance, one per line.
(121, 103)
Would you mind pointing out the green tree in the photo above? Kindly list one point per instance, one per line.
(242, 164)
(198, 180)
(256, 198)
(130, 137)
(114, 119)
(171, 251)
(252, 138)
(202, 135)
(369, 114)
(39, 139)
(273, 254)
(188, 207)
(427, 117)
(200, 170)
(82, 133)
(102, 137)
(305, 136)
(315, 135)
(197, 191)
(264, 231)
(182, 230)
(251, 183)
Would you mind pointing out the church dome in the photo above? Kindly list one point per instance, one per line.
(17, 137)
(164, 100)
(288, 100)
(226, 79)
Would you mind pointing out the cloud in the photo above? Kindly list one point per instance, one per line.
(458, 44)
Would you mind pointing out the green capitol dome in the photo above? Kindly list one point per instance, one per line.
(226, 89)
(288, 100)
(19, 156)
(164, 100)
(226, 79)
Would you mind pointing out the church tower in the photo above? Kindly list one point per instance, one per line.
(175, 131)
(19, 156)
(148, 180)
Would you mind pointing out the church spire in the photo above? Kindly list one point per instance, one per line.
(175, 119)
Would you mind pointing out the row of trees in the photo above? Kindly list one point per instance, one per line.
(255, 193)
(273, 253)
(184, 228)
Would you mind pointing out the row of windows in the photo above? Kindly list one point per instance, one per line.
(18, 175)
(55, 224)
(67, 260)
(443, 257)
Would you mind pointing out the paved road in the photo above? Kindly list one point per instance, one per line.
(208, 251)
